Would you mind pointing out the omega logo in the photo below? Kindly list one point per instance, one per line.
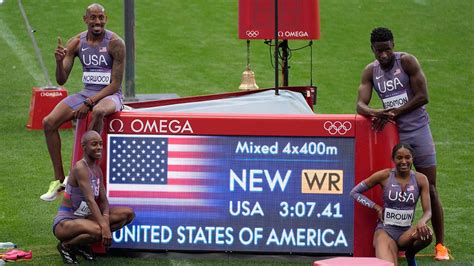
(51, 94)
(161, 126)
(116, 125)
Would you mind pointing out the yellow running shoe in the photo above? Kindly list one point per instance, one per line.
(52, 193)
(441, 252)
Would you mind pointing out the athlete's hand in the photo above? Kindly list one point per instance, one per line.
(379, 210)
(384, 113)
(390, 113)
(106, 236)
(60, 52)
(81, 112)
(380, 117)
(423, 231)
(378, 123)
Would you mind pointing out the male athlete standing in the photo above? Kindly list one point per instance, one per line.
(102, 55)
(400, 83)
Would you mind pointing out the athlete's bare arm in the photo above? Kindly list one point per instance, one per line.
(365, 92)
(379, 116)
(65, 58)
(378, 178)
(425, 204)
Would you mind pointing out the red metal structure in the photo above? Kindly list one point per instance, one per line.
(366, 152)
(298, 20)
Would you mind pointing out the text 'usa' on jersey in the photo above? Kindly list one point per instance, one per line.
(96, 62)
(394, 89)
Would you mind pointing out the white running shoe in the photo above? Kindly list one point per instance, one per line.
(52, 193)
(63, 184)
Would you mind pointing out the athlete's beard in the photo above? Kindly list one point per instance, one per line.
(97, 34)
(387, 64)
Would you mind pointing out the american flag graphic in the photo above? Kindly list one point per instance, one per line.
(163, 174)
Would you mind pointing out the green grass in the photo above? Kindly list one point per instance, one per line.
(191, 48)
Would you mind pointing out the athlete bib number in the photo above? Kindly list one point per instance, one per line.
(96, 78)
(398, 217)
(395, 101)
(83, 210)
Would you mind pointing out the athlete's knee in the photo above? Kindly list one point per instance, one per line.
(130, 214)
(422, 242)
(126, 216)
(49, 124)
(95, 233)
(98, 113)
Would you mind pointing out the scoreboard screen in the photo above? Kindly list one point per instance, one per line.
(233, 193)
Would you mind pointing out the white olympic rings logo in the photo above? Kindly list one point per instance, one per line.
(337, 127)
(252, 33)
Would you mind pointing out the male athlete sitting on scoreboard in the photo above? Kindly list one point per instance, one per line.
(102, 55)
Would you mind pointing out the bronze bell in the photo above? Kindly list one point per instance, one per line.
(248, 80)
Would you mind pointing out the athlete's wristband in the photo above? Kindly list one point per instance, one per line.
(88, 104)
(356, 194)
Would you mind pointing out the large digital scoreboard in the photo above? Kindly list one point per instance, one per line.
(275, 194)
(248, 183)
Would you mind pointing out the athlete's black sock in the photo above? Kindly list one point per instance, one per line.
(410, 259)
